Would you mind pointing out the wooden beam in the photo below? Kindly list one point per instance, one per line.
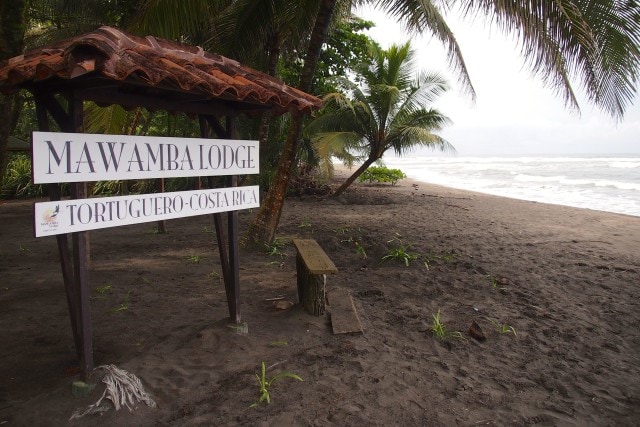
(62, 241)
(234, 248)
(205, 132)
(180, 103)
(81, 258)
(54, 108)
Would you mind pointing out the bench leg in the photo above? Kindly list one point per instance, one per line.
(311, 289)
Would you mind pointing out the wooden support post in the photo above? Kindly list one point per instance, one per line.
(81, 255)
(162, 227)
(55, 194)
(234, 259)
(311, 289)
(234, 248)
(228, 259)
(83, 303)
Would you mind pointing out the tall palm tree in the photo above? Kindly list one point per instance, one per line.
(389, 112)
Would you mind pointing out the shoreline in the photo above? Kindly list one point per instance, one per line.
(342, 172)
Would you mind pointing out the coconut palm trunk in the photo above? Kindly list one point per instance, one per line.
(263, 228)
(354, 176)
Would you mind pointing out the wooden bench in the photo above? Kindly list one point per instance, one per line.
(312, 266)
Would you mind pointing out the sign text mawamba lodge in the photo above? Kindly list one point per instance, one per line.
(76, 157)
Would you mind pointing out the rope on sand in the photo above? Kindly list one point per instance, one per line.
(122, 389)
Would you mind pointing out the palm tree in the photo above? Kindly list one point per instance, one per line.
(389, 112)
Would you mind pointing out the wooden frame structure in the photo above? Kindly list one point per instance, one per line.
(109, 66)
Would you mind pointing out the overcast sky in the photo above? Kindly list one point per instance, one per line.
(515, 114)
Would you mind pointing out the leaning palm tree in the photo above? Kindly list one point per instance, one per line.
(389, 112)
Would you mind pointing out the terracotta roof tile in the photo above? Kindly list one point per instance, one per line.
(113, 54)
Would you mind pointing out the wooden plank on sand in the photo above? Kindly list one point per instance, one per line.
(344, 317)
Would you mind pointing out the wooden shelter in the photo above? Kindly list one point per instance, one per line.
(109, 66)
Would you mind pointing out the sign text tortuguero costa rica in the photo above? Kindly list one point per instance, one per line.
(77, 157)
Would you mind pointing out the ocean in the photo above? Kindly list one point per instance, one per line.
(604, 183)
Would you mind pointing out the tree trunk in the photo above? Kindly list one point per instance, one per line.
(273, 49)
(353, 176)
(263, 229)
(11, 44)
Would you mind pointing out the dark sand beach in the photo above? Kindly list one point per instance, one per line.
(566, 280)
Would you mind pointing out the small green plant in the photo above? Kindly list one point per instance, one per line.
(22, 248)
(103, 289)
(265, 384)
(360, 250)
(124, 306)
(17, 182)
(214, 275)
(504, 328)
(342, 230)
(194, 259)
(400, 253)
(495, 284)
(275, 247)
(439, 331)
(306, 223)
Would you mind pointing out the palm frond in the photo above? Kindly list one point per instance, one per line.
(426, 16)
(595, 41)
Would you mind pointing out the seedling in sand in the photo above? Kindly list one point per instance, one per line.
(342, 230)
(495, 284)
(103, 289)
(305, 223)
(439, 331)
(265, 384)
(360, 251)
(125, 304)
(194, 259)
(504, 328)
(275, 247)
(400, 253)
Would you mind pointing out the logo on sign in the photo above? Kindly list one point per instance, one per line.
(50, 217)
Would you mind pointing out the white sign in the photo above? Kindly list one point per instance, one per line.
(82, 157)
(69, 216)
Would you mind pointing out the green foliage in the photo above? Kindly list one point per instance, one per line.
(381, 174)
(360, 250)
(440, 331)
(275, 247)
(495, 284)
(265, 384)
(124, 306)
(400, 252)
(17, 182)
(504, 328)
(194, 259)
(103, 289)
(305, 223)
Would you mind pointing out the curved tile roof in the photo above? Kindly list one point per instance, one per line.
(133, 61)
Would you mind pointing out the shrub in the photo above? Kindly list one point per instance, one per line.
(381, 174)
(17, 182)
